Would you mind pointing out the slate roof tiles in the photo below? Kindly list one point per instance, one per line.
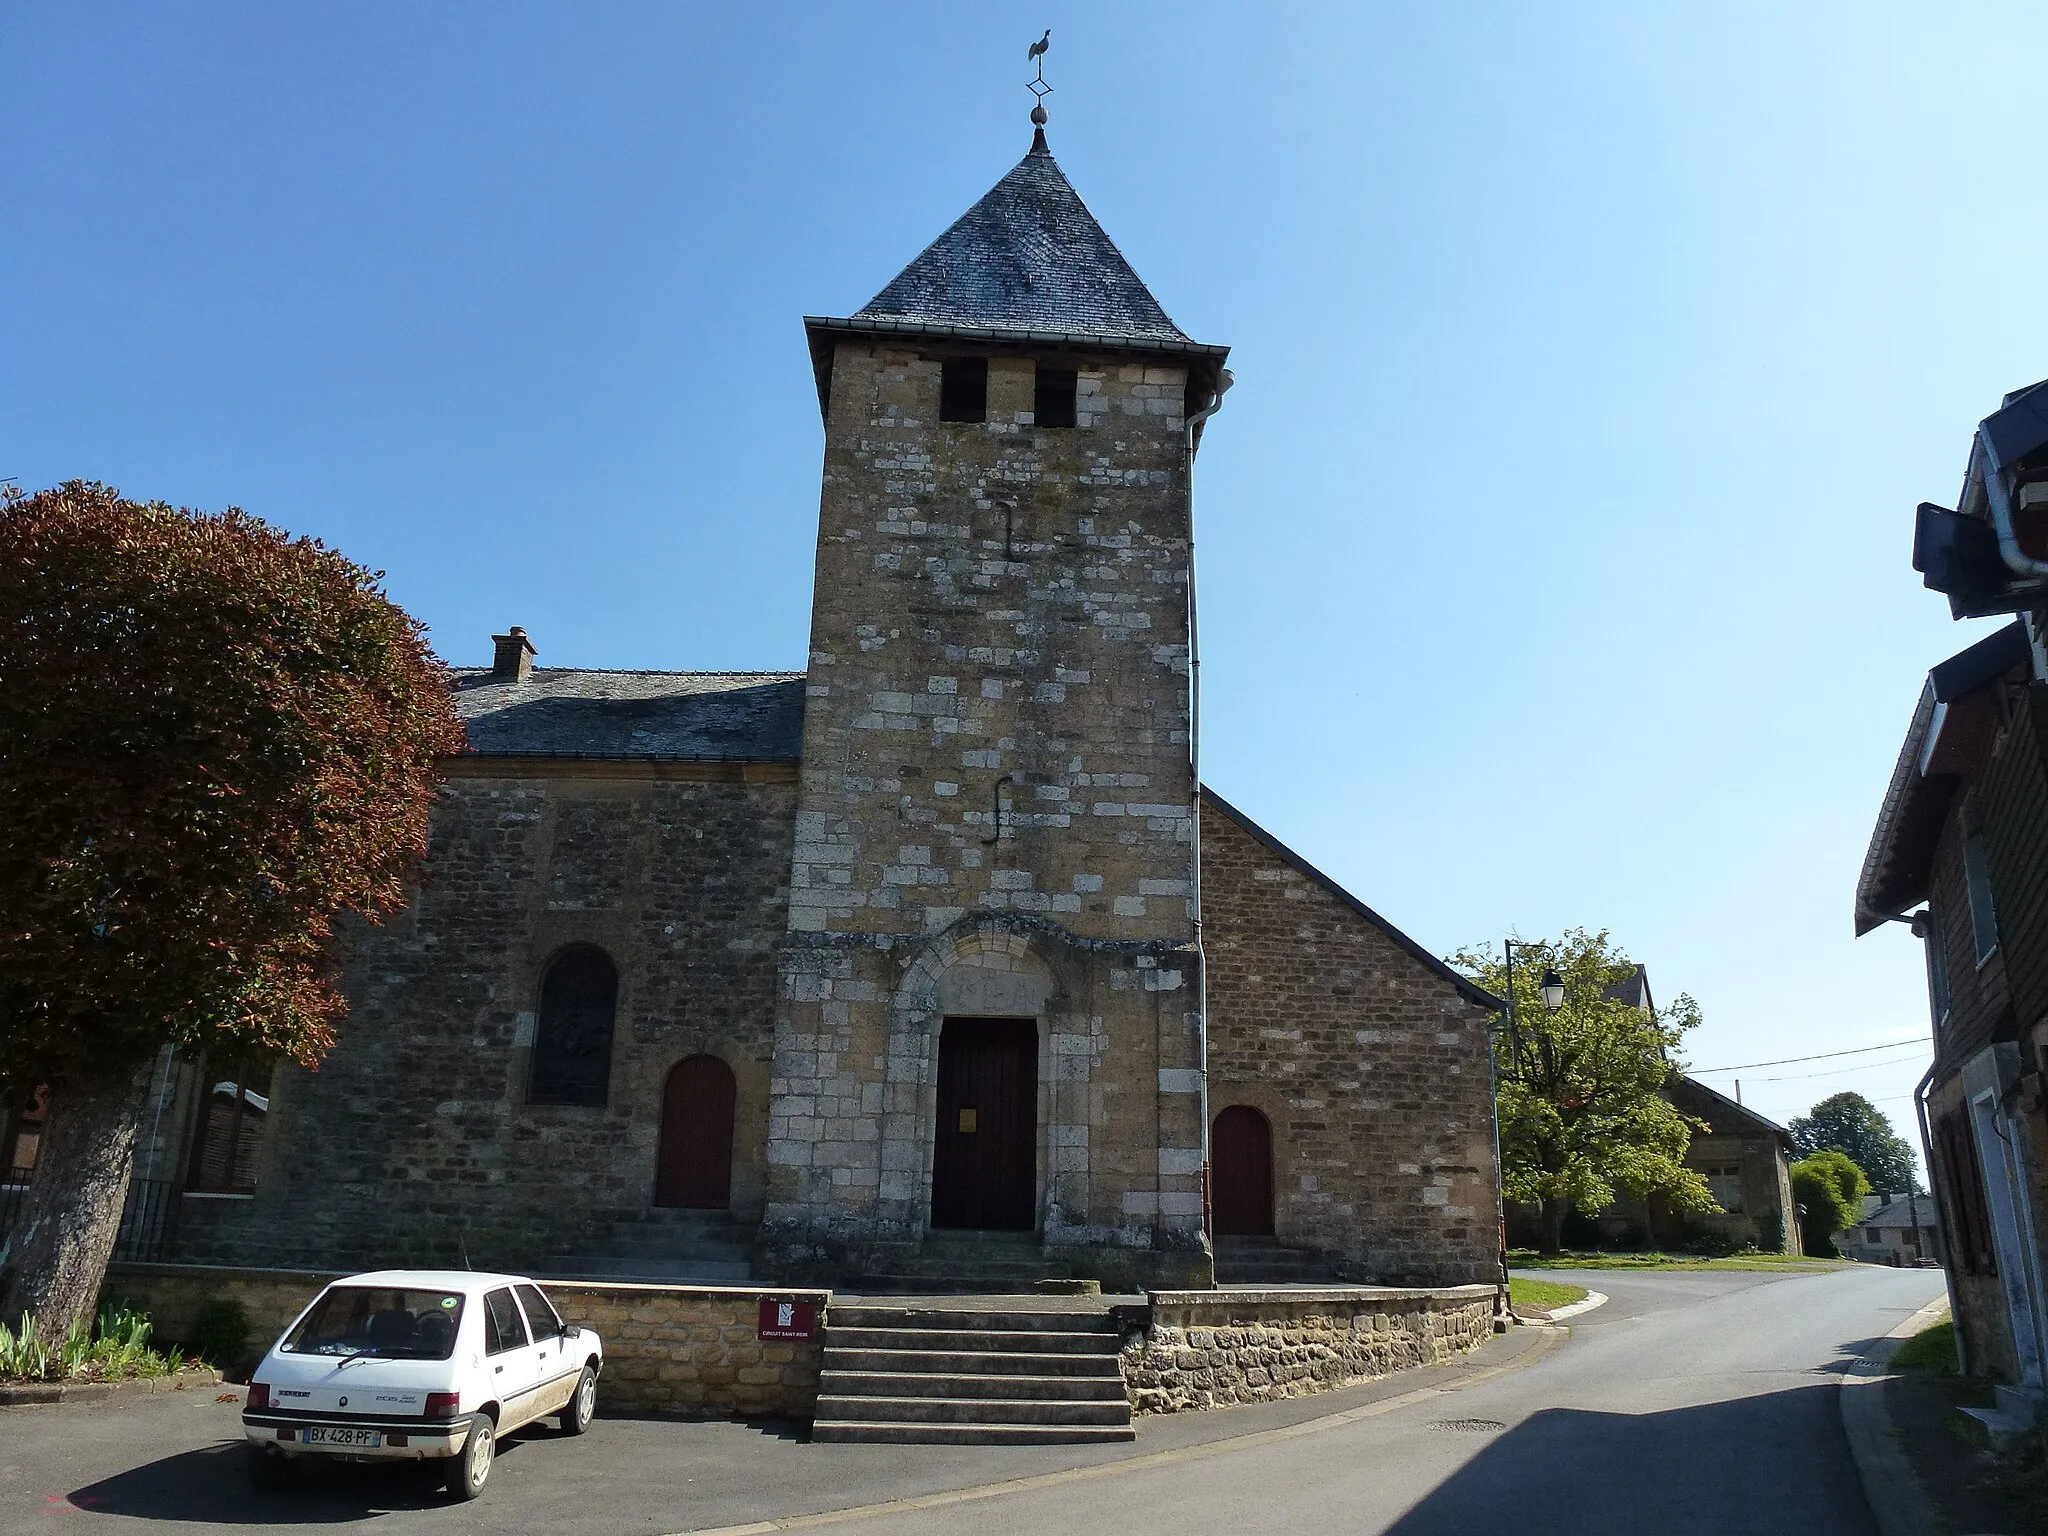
(1029, 257)
(570, 712)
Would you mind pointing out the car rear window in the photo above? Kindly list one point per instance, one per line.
(377, 1320)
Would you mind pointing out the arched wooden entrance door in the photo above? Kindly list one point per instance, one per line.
(695, 1164)
(1241, 1173)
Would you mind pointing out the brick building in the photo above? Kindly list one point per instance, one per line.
(894, 968)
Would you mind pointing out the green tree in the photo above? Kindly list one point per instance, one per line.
(214, 740)
(1581, 1116)
(1850, 1124)
(1829, 1189)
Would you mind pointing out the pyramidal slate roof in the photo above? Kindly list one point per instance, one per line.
(1029, 259)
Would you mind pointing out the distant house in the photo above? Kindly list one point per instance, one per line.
(1746, 1161)
(1899, 1230)
(1744, 1157)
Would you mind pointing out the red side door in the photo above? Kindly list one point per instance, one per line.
(694, 1167)
(1241, 1164)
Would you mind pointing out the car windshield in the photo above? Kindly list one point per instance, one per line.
(389, 1323)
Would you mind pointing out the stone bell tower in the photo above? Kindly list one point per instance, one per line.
(990, 1011)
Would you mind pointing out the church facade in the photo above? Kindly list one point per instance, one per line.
(933, 956)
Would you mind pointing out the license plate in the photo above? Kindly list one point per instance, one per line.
(359, 1439)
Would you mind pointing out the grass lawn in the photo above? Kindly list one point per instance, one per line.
(1542, 1295)
(1528, 1258)
(1931, 1349)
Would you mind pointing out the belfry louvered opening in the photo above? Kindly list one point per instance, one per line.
(1052, 396)
(963, 389)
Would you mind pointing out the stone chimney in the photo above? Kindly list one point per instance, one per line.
(513, 660)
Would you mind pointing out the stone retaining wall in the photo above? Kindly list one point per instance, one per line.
(172, 1295)
(1211, 1349)
(687, 1350)
(696, 1351)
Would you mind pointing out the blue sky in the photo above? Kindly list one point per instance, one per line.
(1554, 541)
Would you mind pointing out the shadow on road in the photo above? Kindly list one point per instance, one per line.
(1777, 1463)
(211, 1486)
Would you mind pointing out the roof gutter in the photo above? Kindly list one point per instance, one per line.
(1110, 343)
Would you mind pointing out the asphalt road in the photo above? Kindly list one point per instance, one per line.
(1693, 1402)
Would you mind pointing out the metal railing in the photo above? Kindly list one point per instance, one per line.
(149, 1221)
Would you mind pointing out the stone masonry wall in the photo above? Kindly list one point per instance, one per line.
(1213, 1349)
(1369, 1064)
(696, 1352)
(693, 1351)
(995, 762)
(413, 1142)
(172, 1295)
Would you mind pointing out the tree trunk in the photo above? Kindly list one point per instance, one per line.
(1553, 1226)
(54, 1259)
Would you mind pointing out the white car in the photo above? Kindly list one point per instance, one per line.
(418, 1365)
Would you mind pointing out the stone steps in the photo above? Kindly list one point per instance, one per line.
(985, 1280)
(986, 1363)
(1267, 1261)
(993, 1384)
(961, 1262)
(873, 1432)
(963, 1338)
(666, 1246)
(679, 1216)
(588, 1266)
(673, 1243)
(982, 1412)
(911, 1375)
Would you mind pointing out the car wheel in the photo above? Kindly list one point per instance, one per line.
(267, 1469)
(582, 1404)
(472, 1464)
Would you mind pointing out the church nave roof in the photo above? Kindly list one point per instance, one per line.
(576, 713)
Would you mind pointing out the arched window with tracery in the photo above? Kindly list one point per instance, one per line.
(572, 1040)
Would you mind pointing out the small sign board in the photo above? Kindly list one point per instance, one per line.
(788, 1319)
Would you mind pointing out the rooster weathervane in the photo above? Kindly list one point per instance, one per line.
(1037, 86)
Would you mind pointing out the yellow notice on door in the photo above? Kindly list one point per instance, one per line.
(970, 1121)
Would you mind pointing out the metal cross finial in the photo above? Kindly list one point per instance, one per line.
(1037, 86)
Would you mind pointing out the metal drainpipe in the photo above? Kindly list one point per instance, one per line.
(157, 1119)
(1946, 1218)
(1223, 382)
(2017, 560)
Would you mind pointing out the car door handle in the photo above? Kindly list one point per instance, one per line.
(497, 1370)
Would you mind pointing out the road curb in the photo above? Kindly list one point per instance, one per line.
(1899, 1504)
(1593, 1299)
(1200, 1451)
(29, 1394)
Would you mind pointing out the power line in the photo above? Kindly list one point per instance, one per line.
(1868, 1066)
(1786, 1061)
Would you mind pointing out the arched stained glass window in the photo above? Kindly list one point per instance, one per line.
(572, 1044)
